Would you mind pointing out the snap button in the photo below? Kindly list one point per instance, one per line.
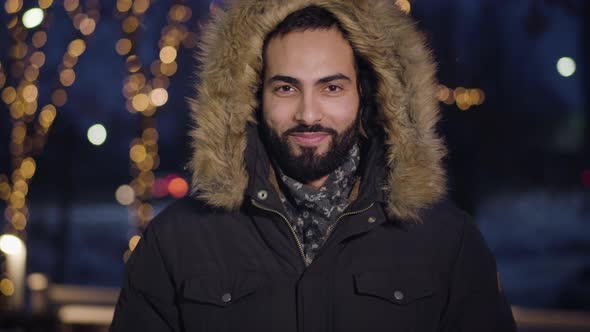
(398, 295)
(226, 297)
(262, 194)
(372, 219)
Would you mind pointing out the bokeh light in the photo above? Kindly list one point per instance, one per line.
(160, 188)
(124, 5)
(123, 46)
(125, 195)
(178, 187)
(59, 97)
(133, 241)
(97, 134)
(585, 177)
(8, 95)
(37, 281)
(67, 77)
(33, 17)
(18, 221)
(31, 73)
(69, 61)
(76, 47)
(404, 5)
(140, 6)
(87, 26)
(11, 245)
(140, 102)
(145, 211)
(566, 66)
(13, 6)
(6, 287)
(37, 59)
(130, 24)
(28, 167)
(168, 54)
(48, 114)
(45, 3)
(138, 153)
(159, 97)
(71, 5)
(39, 39)
(133, 63)
(179, 13)
(18, 51)
(168, 69)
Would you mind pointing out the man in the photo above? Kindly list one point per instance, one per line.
(319, 191)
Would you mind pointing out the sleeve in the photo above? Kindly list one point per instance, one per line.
(476, 302)
(147, 299)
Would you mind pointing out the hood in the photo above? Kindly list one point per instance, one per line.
(230, 62)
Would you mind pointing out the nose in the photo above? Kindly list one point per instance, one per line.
(309, 111)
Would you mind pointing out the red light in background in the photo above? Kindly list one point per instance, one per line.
(585, 177)
(160, 188)
(178, 187)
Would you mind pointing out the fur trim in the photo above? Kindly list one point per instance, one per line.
(231, 59)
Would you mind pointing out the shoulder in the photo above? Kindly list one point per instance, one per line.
(184, 210)
(450, 229)
(183, 216)
(445, 217)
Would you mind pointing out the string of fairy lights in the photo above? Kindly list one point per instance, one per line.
(463, 98)
(145, 88)
(21, 94)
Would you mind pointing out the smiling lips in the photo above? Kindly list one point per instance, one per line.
(310, 139)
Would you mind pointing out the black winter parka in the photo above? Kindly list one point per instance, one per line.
(199, 268)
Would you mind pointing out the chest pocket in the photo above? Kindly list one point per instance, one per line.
(380, 301)
(220, 302)
(396, 288)
(221, 290)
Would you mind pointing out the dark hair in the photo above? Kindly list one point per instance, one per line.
(318, 18)
(308, 18)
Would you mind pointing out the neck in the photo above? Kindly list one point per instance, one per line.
(317, 184)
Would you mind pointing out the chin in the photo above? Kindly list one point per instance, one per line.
(319, 150)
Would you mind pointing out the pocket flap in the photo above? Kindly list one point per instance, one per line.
(219, 289)
(398, 288)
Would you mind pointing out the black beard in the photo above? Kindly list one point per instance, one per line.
(308, 166)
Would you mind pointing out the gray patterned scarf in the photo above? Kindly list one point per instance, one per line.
(312, 211)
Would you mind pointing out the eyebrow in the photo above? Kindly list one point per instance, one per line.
(294, 81)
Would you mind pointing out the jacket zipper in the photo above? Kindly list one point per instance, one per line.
(294, 233)
(333, 226)
(299, 245)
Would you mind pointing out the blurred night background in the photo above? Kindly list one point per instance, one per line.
(515, 113)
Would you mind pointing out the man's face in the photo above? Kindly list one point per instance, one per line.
(310, 102)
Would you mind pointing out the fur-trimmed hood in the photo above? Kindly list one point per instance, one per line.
(231, 60)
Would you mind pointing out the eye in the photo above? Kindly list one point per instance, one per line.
(333, 88)
(284, 89)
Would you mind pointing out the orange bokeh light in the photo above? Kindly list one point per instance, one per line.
(178, 187)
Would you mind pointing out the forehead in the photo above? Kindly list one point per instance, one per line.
(309, 54)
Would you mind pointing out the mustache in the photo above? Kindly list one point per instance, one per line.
(310, 129)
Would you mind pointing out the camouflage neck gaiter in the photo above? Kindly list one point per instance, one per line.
(312, 211)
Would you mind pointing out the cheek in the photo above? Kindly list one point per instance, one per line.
(278, 114)
(342, 112)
